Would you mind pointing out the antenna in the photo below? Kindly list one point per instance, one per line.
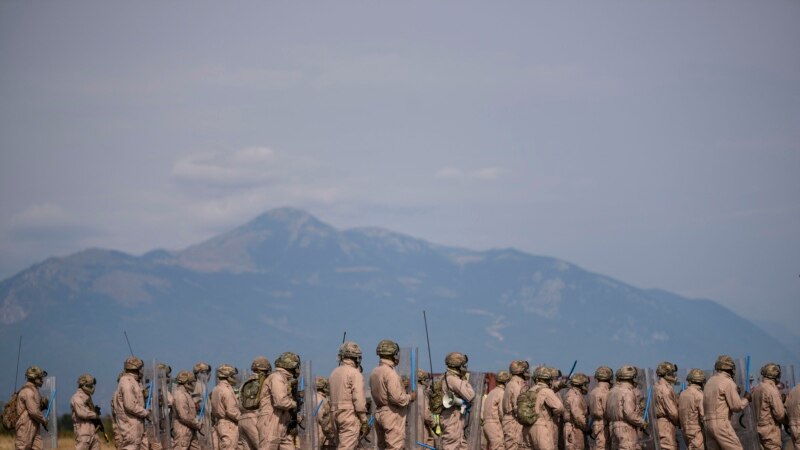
(428, 339)
(344, 336)
(129, 342)
(16, 373)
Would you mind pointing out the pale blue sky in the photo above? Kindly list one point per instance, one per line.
(654, 142)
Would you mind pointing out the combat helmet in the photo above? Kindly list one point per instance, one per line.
(423, 377)
(668, 371)
(542, 373)
(288, 361)
(502, 377)
(133, 364)
(604, 373)
(86, 380)
(626, 373)
(455, 360)
(696, 376)
(261, 364)
(771, 371)
(350, 350)
(388, 349)
(227, 372)
(201, 368)
(321, 384)
(519, 367)
(724, 363)
(185, 377)
(35, 373)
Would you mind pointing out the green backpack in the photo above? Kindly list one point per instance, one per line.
(435, 397)
(251, 392)
(526, 407)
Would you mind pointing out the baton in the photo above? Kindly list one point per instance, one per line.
(647, 404)
(50, 404)
(573, 369)
(413, 372)
(316, 410)
(425, 446)
(747, 376)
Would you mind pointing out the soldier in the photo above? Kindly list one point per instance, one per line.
(326, 433)
(512, 429)
(208, 436)
(250, 407)
(225, 410)
(348, 404)
(768, 408)
(29, 411)
(557, 384)
(279, 406)
(547, 405)
(792, 406)
(666, 405)
(455, 384)
(690, 410)
(429, 427)
(720, 400)
(186, 425)
(390, 397)
(622, 410)
(576, 424)
(597, 407)
(85, 415)
(492, 412)
(128, 405)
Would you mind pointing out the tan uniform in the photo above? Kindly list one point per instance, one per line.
(623, 416)
(225, 414)
(575, 420)
(491, 415)
(84, 421)
(391, 405)
(185, 424)
(666, 409)
(770, 414)
(348, 404)
(128, 406)
(248, 424)
(548, 406)
(690, 413)
(428, 437)
(326, 433)
(597, 408)
(29, 418)
(279, 406)
(512, 429)
(720, 400)
(792, 407)
(452, 420)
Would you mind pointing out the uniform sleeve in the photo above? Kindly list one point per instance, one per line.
(554, 403)
(666, 399)
(184, 409)
(701, 412)
(630, 410)
(80, 407)
(578, 411)
(131, 400)
(281, 398)
(461, 388)
(776, 406)
(356, 385)
(230, 406)
(735, 403)
(31, 405)
(396, 391)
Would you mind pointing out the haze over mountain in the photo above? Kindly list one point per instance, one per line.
(286, 281)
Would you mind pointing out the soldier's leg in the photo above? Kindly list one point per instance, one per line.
(542, 437)
(725, 437)
(770, 438)
(512, 433)
(248, 433)
(666, 434)
(347, 426)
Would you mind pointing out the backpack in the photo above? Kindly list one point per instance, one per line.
(10, 414)
(435, 397)
(251, 392)
(526, 412)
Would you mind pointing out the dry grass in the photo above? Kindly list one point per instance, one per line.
(64, 443)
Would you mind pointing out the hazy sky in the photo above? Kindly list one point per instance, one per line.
(654, 142)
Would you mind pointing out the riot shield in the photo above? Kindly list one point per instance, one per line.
(161, 404)
(308, 432)
(472, 415)
(744, 423)
(682, 374)
(49, 436)
(407, 368)
(201, 397)
(791, 377)
(646, 380)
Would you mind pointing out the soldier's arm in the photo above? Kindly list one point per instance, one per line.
(463, 389)
(776, 406)
(130, 400)
(184, 410)
(629, 411)
(281, 398)
(671, 407)
(701, 413)
(396, 392)
(579, 414)
(230, 406)
(81, 408)
(554, 403)
(735, 403)
(355, 383)
(32, 406)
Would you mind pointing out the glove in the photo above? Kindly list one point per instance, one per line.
(364, 429)
(44, 403)
(644, 425)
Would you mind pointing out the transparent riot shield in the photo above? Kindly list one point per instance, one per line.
(406, 368)
(201, 398)
(744, 423)
(646, 380)
(472, 414)
(161, 405)
(682, 374)
(791, 377)
(308, 432)
(50, 435)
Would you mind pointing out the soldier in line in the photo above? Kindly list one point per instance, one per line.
(622, 410)
(29, 407)
(250, 407)
(348, 404)
(390, 397)
(666, 405)
(128, 406)
(690, 410)
(720, 400)
(512, 429)
(186, 425)
(548, 405)
(792, 406)
(576, 423)
(85, 415)
(597, 406)
(557, 384)
(424, 408)
(225, 409)
(456, 384)
(326, 433)
(279, 404)
(202, 373)
(492, 412)
(768, 408)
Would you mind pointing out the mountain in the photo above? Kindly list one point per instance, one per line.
(287, 281)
